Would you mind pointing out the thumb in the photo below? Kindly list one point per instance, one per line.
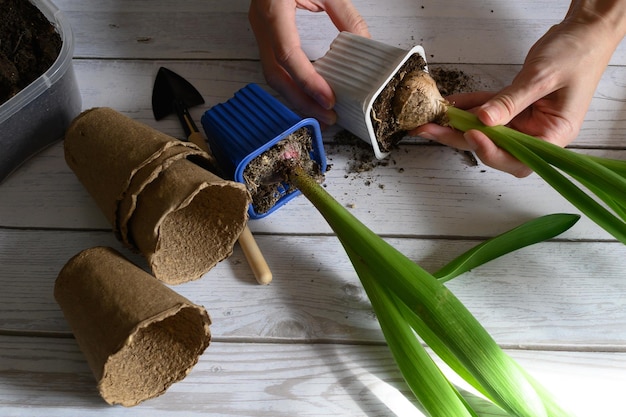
(510, 101)
(347, 18)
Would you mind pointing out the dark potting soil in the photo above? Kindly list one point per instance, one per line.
(449, 81)
(384, 120)
(452, 81)
(29, 45)
(267, 175)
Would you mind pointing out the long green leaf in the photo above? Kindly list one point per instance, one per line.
(617, 206)
(614, 165)
(531, 232)
(573, 163)
(605, 173)
(445, 316)
(536, 153)
(596, 212)
(430, 386)
(438, 346)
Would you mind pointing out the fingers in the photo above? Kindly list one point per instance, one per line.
(492, 156)
(289, 55)
(527, 87)
(443, 135)
(346, 17)
(477, 142)
(286, 67)
(281, 81)
(471, 100)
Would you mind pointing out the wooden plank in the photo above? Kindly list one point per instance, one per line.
(223, 32)
(102, 84)
(108, 83)
(421, 190)
(46, 178)
(49, 376)
(525, 299)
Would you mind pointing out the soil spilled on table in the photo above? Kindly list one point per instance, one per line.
(267, 175)
(361, 157)
(452, 81)
(29, 45)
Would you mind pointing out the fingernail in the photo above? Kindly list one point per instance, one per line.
(325, 117)
(324, 101)
(491, 115)
(328, 120)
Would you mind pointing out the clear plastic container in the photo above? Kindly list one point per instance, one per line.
(38, 115)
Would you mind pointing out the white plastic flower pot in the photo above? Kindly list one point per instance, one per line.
(358, 69)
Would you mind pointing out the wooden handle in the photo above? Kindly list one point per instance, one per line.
(247, 242)
(198, 139)
(255, 258)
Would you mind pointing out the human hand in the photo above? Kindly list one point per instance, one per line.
(285, 65)
(548, 98)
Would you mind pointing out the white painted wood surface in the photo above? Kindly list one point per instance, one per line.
(309, 343)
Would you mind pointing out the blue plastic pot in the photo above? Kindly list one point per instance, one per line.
(247, 125)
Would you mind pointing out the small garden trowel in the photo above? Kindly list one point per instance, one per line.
(173, 94)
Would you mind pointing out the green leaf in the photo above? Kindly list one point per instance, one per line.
(531, 232)
(452, 331)
(617, 206)
(614, 165)
(431, 388)
(606, 175)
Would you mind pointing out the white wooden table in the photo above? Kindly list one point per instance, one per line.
(309, 344)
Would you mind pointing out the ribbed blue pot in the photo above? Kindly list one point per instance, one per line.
(248, 124)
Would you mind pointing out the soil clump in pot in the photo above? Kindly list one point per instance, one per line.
(29, 45)
(384, 120)
(387, 128)
(267, 175)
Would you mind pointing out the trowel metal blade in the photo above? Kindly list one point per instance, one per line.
(169, 89)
